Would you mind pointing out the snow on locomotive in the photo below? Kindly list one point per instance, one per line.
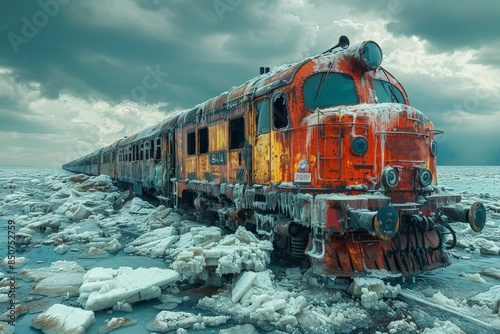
(325, 157)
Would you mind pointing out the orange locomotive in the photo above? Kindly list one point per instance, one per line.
(325, 157)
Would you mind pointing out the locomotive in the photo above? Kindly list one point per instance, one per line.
(326, 158)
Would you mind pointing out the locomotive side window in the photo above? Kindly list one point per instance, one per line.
(191, 143)
(263, 125)
(158, 149)
(237, 133)
(203, 140)
(280, 111)
(322, 90)
(387, 92)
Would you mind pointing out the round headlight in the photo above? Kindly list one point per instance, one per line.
(371, 55)
(434, 148)
(359, 145)
(390, 177)
(425, 177)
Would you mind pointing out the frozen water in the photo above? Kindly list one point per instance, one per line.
(104, 287)
(84, 243)
(62, 319)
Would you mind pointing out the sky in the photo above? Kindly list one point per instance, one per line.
(79, 75)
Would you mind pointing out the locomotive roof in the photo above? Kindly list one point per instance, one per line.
(262, 84)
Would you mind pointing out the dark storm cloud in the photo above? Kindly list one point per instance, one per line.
(180, 53)
(447, 25)
(144, 51)
(440, 97)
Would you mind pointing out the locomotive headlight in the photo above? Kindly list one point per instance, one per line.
(434, 148)
(390, 177)
(359, 145)
(371, 55)
(425, 177)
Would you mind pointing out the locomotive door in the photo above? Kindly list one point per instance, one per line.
(261, 162)
(168, 161)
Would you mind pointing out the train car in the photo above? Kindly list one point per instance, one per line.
(326, 158)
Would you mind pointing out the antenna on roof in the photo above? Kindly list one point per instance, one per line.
(343, 43)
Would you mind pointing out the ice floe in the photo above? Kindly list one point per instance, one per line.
(167, 321)
(95, 224)
(62, 319)
(115, 323)
(104, 287)
(60, 278)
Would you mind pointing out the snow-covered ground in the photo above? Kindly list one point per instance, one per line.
(90, 259)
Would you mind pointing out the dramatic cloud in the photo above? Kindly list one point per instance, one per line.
(78, 75)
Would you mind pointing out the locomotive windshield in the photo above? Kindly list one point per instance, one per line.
(322, 90)
(387, 92)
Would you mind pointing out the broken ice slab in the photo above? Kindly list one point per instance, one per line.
(59, 285)
(115, 323)
(168, 321)
(104, 287)
(63, 319)
(60, 278)
(56, 268)
(230, 255)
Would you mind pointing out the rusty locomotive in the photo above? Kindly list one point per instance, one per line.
(325, 158)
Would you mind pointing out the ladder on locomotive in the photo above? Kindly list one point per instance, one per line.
(329, 151)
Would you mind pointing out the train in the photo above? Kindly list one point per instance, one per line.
(325, 158)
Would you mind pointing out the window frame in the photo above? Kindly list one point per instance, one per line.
(191, 143)
(260, 131)
(239, 140)
(384, 84)
(203, 133)
(322, 78)
(273, 113)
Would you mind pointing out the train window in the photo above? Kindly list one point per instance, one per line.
(191, 143)
(387, 92)
(280, 111)
(142, 152)
(129, 153)
(152, 149)
(146, 150)
(136, 152)
(322, 90)
(263, 125)
(158, 149)
(237, 133)
(203, 140)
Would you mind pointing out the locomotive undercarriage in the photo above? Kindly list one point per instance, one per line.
(345, 235)
(288, 237)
